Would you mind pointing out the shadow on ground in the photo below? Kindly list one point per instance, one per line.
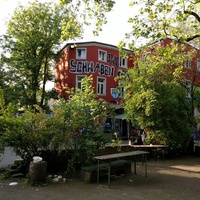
(177, 179)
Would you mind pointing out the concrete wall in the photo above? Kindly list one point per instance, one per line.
(8, 157)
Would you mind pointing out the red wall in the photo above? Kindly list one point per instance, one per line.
(67, 68)
(192, 73)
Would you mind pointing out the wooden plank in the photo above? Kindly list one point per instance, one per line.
(120, 155)
(113, 163)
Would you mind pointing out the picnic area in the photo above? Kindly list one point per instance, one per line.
(177, 178)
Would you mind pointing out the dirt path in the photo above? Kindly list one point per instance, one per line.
(177, 179)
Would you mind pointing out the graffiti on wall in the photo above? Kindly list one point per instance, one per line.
(90, 67)
(113, 60)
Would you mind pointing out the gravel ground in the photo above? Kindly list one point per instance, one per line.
(174, 179)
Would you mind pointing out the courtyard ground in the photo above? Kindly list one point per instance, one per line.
(177, 179)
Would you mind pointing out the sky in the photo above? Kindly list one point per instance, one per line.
(112, 33)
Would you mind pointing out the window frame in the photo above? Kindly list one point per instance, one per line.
(188, 85)
(145, 59)
(78, 81)
(104, 59)
(187, 64)
(121, 89)
(100, 84)
(145, 55)
(84, 56)
(124, 61)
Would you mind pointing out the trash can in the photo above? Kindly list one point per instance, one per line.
(37, 171)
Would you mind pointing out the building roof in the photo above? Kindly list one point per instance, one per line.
(93, 43)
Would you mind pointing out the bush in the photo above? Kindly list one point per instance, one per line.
(73, 126)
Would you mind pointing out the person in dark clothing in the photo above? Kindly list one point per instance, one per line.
(138, 141)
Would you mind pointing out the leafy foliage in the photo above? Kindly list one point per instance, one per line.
(156, 100)
(156, 19)
(156, 89)
(88, 10)
(73, 126)
(30, 48)
(86, 114)
(2, 103)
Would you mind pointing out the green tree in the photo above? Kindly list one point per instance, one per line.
(156, 100)
(156, 97)
(30, 48)
(86, 114)
(33, 39)
(73, 126)
(2, 104)
(156, 19)
(186, 25)
(93, 11)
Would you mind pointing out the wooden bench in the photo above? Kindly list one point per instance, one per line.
(89, 173)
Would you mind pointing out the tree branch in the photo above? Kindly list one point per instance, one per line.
(193, 14)
(193, 37)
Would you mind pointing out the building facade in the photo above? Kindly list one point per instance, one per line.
(101, 61)
(104, 63)
(191, 69)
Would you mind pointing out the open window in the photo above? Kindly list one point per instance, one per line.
(102, 55)
(81, 53)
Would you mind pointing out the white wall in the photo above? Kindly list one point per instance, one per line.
(8, 157)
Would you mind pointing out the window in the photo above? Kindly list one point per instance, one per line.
(102, 55)
(78, 82)
(121, 89)
(187, 64)
(101, 86)
(145, 55)
(80, 53)
(145, 58)
(198, 64)
(123, 62)
(188, 85)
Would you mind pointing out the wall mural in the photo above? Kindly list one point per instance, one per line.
(90, 67)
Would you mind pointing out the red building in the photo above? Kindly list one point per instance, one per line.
(102, 61)
(192, 60)
(191, 67)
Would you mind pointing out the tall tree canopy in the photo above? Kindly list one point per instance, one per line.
(30, 46)
(34, 36)
(156, 100)
(94, 10)
(157, 19)
(156, 90)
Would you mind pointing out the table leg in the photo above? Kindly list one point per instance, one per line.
(109, 166)
(156, 154)
(135, 166)
(98, 165)
(145, 162)
(163, 154)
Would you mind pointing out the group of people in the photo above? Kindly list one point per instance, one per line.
(138, 136)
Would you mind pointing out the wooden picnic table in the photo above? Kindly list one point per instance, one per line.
(155, 147)
(105, 160)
